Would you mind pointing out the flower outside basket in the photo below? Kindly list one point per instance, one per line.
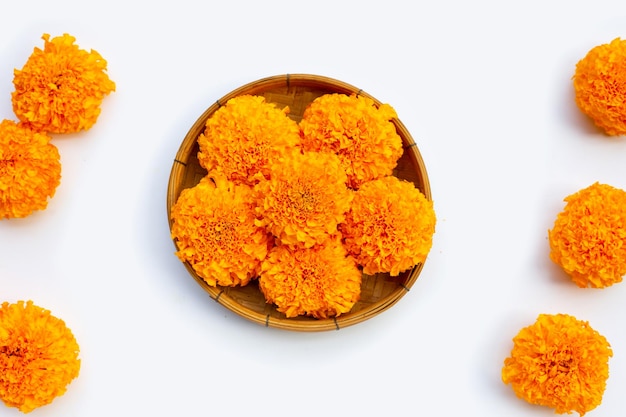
(378, 292)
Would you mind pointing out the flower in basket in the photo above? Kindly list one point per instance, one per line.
(30, 170)
(61, 87)
(389, 227)
(355, 129)
(559, 362)
(245, 137)
(588, 239)
(213, 226)
(305, 198)
(600, 86)
(321, 281)
(38, 356)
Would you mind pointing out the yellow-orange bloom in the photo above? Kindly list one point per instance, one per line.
(588, 239)
(559, 362)
(38, 356)
(389, 227)
(322, 281)
(358, 131)
(213, 228)
(305, 198)
(245, 137)
(600, 86)
(61, 87)
(30, 170)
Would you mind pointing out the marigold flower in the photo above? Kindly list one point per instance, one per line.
(322, 281)
(360, 133)
(30, 170)
(38, 356)
(213, 227)
(600, 86)
(389, 227)
(245, 137)
(61, 87)
(559, 362)
(588, 239)
(305, 198)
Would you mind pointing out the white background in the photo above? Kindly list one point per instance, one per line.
(485, 89)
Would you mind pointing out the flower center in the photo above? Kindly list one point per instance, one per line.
(12, 351)
(303, 198)
(13, 354)
(6, 166)
(560, 362)
(220, 232)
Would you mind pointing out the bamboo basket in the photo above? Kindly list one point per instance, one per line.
(378, 292)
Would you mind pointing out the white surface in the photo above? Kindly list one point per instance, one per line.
(485, 89)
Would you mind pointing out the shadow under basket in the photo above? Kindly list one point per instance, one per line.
(378, 292)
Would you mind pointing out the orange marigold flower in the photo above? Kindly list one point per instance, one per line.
(245, 137)
(588, 239)
(322, 281)
(355, 129)
(38, 356)
(305, 198)
(559, 362)
(30, 170)
(389, 227)
(213, 227)
(61, 87)
(600, 86)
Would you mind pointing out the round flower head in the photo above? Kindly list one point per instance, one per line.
(61, 87)
(559, 362)
(600, 86)
(322, 281)
(305, 198)
(245, 137)
(588, 239)
(213, 227)
(38, 356)
(389, 227)
(355, 129)
(30, 170)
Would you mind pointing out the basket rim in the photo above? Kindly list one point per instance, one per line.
(219, 294)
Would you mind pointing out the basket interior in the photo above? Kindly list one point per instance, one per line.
(379, 291)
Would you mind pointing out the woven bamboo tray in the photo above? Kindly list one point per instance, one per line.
(378, 292)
